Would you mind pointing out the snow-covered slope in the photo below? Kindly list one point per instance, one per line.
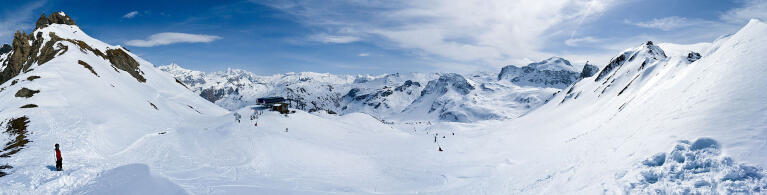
(653, 122)
(93, 98)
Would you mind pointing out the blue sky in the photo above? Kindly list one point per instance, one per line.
(375, 37)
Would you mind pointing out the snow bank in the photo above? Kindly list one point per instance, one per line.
(695, 168)
(130, 179)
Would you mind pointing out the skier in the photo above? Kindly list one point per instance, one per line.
(58, 158)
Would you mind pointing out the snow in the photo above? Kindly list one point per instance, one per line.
(696, 168)
(653, 124)
(130, 179)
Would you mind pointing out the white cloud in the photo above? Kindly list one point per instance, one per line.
(582, 40)
(335, 38)
(751, 9)
(665, 24)
(167, 38)
(130, 14)
(19, 19)
(363, 54)
(471, 32)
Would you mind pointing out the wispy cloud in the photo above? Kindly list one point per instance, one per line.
(167, 38)
(19, 19)
(337, 39)
(363, 54)
(130, 15)
(581, 40)
(751, 9)
(665, 24)
(448, 31)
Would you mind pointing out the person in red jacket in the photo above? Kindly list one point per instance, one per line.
(58, 158)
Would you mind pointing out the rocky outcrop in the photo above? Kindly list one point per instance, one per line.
(22, 50)
(589, 70)
(649, 51)
(26, 93)
(214, 95)
(691, 57)
(55, 18)
(125, 62)
(16, 129)
(27, 50)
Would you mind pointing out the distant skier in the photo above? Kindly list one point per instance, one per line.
(58, 158)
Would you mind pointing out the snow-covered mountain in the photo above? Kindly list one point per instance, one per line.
(660, 118)
(412, 96)
(553, 72)
(60, 85)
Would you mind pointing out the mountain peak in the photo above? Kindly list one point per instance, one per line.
(553, 64)
(54, 18)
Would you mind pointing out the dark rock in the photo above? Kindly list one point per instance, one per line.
(88, 66)
(22, 50)
(32, 78)
(589, 70)
(614, 63)
(25, 54)
(54, 18)
(691, 57)
(180, 83)
(29, 106)
(16, 128)
(26, 93)
(214, 95)
(406, 85)
(123, 61)
(653, 52)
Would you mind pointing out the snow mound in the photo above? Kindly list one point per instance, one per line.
(131, 179)
(695, 168)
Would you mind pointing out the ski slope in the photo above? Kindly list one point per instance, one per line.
(654, 124)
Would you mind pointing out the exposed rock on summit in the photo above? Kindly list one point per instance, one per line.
(55, 18)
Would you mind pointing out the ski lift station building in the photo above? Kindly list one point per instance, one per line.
(270, 100)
